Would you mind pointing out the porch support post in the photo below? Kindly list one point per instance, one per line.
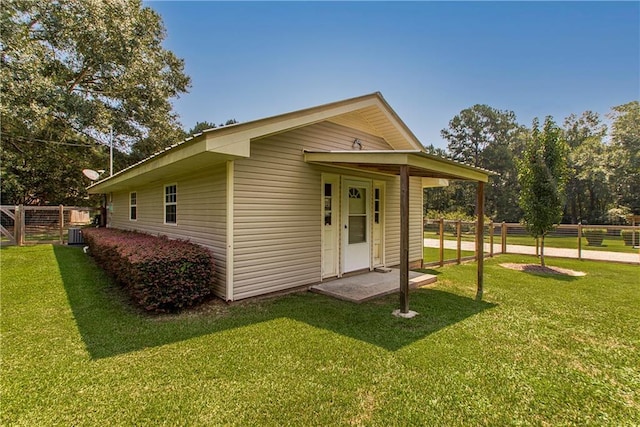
(480, 238)
(404, 239)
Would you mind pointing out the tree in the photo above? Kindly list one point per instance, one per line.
(202, 126)
(588, 192)
(588, 187)
(542, 177)
(625, 146)
(483, 136)
(474, 129)
(156, 141)
(71, 71)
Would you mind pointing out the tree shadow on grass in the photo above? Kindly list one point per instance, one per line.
(110, 325)
(557, 277)
(547, 272)
(433, 271)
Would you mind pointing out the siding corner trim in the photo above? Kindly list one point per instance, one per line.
(230, 219)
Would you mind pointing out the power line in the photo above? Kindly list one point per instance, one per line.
(49, 141)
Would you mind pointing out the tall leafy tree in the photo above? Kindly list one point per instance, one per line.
(588, 192)
(542, 176)
(202, 126)
(483, 136)
(474, 129)
(70, 71)
(625, 145)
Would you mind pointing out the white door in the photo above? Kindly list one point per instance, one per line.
(356, 233)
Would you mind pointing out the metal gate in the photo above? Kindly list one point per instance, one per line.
(9, 224)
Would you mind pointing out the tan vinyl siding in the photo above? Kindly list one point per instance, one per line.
(392, 221)
(416, 238)
(201, 216)
(330, 136)
(277, 224)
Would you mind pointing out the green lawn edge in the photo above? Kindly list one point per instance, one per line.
(537, 350)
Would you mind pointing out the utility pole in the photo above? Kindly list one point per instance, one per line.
(111, 152)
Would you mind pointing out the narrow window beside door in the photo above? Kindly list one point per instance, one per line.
(376, 205)
(327, 204)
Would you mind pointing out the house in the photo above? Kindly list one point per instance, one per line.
(289, 200)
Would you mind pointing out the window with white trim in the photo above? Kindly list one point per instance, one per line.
(133, 206)
(171, 204)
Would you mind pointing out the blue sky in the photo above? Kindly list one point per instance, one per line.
(429, 59)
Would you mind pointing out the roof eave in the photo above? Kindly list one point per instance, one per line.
(427, 164)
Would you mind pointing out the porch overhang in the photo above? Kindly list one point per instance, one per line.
(407, 163)
(389, 162)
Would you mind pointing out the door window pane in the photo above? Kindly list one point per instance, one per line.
(357, 229)
(357, 201)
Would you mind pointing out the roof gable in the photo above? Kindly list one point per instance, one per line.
(368, 113)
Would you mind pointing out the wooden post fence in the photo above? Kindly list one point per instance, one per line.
(61, 221)
(459, 243)
(51, 230)
(441, 229)
(22, 226)
(579, 240)
(503, 232)
(491, 239)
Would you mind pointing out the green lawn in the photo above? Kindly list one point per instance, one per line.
(538, 350)
(433, 254)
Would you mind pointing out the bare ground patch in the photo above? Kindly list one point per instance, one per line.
(538, 269)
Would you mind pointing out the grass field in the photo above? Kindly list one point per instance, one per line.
(433, 254)
(539, 350)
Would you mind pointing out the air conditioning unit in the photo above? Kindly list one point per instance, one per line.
(75, 236)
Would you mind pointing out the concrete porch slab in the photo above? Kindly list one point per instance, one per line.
(366, 286)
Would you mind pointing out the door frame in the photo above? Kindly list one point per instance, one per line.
(336, 201)
(381, 185)
(346, 181)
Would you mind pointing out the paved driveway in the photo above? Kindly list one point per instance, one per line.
(531, 250)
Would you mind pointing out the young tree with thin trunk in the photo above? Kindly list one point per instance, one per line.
(542, 177)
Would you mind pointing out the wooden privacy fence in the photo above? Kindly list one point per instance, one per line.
(453, 241)
(20, 225)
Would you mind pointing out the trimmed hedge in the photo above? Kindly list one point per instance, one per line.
(627, 236)
(159, 274)
(595, 236)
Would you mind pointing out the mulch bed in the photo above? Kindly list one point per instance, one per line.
(538, 269)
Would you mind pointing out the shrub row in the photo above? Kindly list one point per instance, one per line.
(594, 236)
(629, 238)
(159, 274)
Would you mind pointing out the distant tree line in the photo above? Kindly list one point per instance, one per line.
(602, 165)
